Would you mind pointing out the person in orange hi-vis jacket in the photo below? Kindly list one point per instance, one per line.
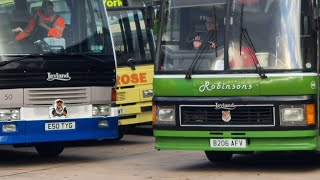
(44, 24)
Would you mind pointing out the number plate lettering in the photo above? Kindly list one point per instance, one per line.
(60, 126)
(228, 143)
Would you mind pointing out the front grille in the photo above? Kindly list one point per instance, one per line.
(46, 96)
(240, 116)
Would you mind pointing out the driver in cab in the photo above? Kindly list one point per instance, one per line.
(44, 23)
(206, 38)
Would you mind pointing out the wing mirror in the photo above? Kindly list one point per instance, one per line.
(131, 63)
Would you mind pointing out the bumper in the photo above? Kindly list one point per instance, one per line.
(135, 114)
(256, 140)
(142, 117)
(34, 131)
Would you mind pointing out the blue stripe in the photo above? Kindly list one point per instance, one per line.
(34, 131)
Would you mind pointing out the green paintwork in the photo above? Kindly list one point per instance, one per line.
(289, 86)
(227, 134)
(172, 87)
(281, 85)
(259, 140)
(248, 86)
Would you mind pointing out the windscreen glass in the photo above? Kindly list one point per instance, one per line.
(57, 26)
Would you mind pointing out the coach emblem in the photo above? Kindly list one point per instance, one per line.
(226, 116)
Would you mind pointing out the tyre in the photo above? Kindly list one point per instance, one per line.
(49, 149)
(218, 156)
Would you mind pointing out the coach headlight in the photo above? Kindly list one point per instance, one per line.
(166, 115)
(95, 110)
(292, 115)
(104, 110)
(15, 114)
(9, 114)
(147, 93)
(101, 110)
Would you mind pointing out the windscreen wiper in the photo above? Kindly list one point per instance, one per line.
(202, 51)
(3, 63)
(244, 33)
(252, 52)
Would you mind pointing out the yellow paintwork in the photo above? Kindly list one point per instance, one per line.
(141, 117)
(130, 93)
(126, 71)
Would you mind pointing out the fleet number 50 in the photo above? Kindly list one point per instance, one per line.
(8, 97)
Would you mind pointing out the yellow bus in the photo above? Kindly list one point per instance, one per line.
(134, 47)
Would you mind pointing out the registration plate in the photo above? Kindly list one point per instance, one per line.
(121, 111)
(228, 143)
(60, 126)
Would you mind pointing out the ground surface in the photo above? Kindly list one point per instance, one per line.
(135, 158)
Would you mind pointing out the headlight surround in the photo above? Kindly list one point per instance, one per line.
(166, 115)
(292, 115)
(148, 93)
(9, 114)
(101, 110)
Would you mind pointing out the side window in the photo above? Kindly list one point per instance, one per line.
(95, 27)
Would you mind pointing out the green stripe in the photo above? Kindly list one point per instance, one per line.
(256, 141)
(227, 134)
(247, 86)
